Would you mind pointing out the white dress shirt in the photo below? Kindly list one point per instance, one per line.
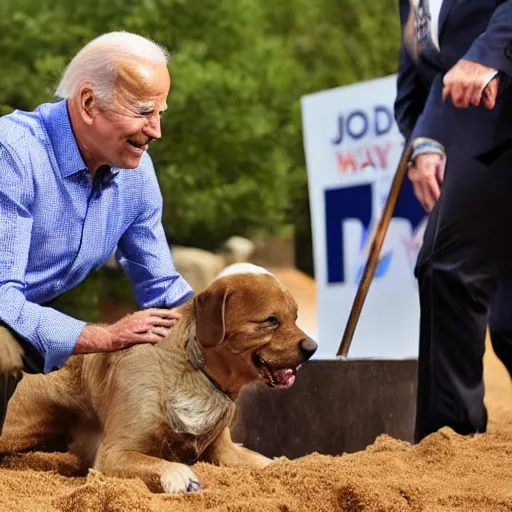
(435, 9)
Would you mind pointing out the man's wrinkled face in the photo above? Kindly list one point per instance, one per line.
(123, 130)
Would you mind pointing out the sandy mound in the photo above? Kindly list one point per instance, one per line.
(445, 472)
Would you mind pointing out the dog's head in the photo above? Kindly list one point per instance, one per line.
(246, 327)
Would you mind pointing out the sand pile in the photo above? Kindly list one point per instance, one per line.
(443, 473)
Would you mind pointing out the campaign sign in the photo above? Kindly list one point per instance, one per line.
(353, 146)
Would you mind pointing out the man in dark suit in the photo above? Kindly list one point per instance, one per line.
(454, 102)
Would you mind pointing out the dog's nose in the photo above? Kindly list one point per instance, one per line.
(308, 348)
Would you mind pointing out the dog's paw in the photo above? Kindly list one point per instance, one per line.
(180, 478)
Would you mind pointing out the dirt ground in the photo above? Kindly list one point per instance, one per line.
(445, 472)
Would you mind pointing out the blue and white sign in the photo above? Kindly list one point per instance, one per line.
(352, 147)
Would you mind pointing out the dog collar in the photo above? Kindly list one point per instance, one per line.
(196, 359)
(215, 383)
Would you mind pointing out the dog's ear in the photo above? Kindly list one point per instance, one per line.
(210, 315)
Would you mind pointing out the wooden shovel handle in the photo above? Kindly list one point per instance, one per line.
(373, 256)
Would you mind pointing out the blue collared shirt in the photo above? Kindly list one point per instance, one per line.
(56, 226)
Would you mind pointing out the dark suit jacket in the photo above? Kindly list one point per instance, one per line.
(477, 30)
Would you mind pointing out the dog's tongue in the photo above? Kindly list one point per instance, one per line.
(284, 377)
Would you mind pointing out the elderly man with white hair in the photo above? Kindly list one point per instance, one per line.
(75, 182)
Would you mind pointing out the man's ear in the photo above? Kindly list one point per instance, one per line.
(87, 104)
(210, 315)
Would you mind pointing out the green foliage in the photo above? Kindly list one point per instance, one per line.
(231, 160)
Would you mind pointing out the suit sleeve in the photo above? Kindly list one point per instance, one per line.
(493, 48)
(411, 94)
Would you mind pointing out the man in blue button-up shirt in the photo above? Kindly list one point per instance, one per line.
(76, 182)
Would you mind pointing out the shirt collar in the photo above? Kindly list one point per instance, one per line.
(58, 126)
(69, 158)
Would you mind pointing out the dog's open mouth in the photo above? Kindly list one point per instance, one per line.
(274, 378)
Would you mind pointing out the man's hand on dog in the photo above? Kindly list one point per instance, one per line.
(146, 326)
(469, 83)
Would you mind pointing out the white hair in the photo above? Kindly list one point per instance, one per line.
(98, 61)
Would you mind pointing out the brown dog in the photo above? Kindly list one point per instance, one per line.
(150, 410)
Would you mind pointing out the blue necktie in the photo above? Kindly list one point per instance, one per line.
(425, 45)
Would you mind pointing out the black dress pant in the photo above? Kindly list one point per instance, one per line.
(464, 271)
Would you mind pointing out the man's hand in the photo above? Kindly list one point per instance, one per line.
(426, 174)
(146, 326)
(471, 83)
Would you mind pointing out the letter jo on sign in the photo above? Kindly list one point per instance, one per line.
(352, 149)
(358, 123)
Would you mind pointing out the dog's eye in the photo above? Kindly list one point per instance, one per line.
(271, 320)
